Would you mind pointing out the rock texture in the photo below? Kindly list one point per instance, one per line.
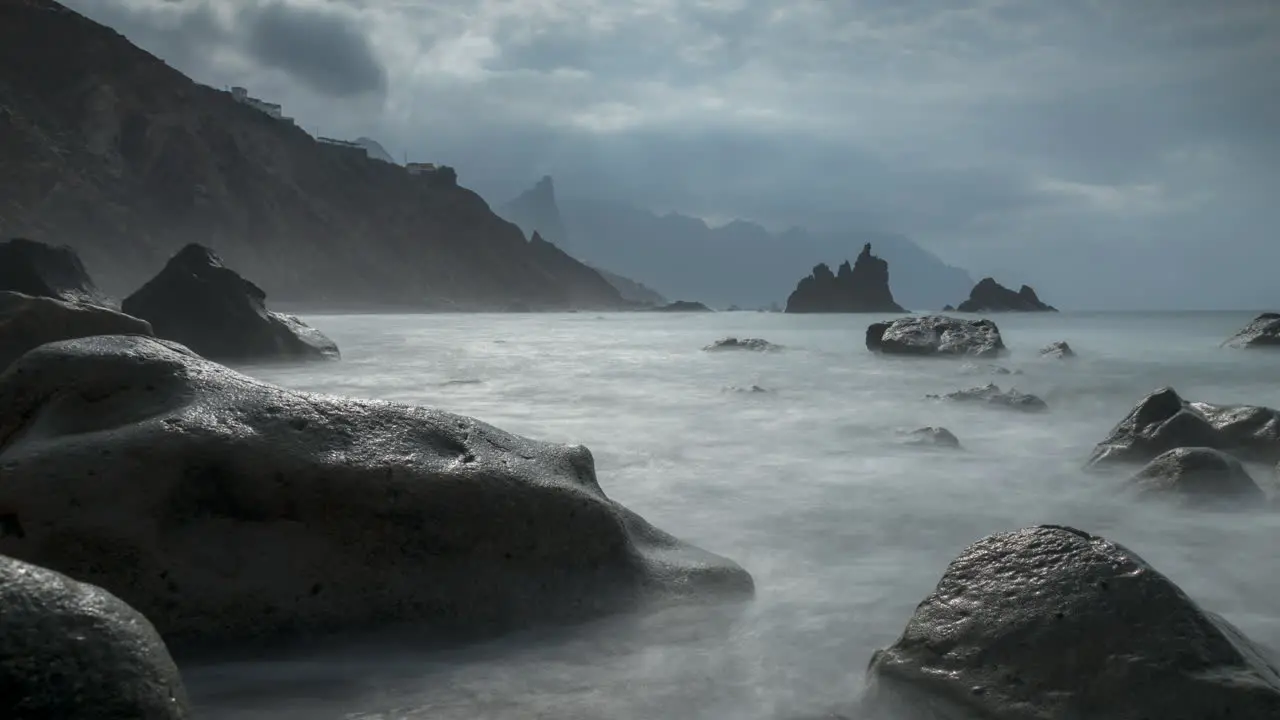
(1051, 622)
(110, 150)
(1163, 421)
(199, 302)
(733, 343)
(1263, 332)
(1059, 350)
(41, 270)
(229, 510)
(71, 650)
(933, 436)
(990, 296)
(27, 322)
(862, 287)
(936, 335)
(1199, 476)
(991, 394)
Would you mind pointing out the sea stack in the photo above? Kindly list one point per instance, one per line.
(990, 296)
(862, 287)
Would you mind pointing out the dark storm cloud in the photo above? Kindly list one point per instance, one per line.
(326, 50)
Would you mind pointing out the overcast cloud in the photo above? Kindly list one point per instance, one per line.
(1109, 152)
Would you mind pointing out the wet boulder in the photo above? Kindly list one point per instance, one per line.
(1059, 350)
(27, 322)
(197, 301)
(933, 437)
(733, 343)
(1263, 332)
(48, 271)
(1198, 476)
(229, 510)
(1163, 421)
(991, 394)
(72, 650)
(1051, 622)
(935, 335)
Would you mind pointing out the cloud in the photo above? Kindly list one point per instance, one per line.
(1009, 133)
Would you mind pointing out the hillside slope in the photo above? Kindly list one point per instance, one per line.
(109, 150)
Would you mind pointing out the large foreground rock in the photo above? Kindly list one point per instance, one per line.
(27, 322)
(227, 509)
(41, 270)
(1051, 622)
(1263, 332)
(935, 335)
(1163, 421)
(69, 650)
(1199, 477)
(197, 301)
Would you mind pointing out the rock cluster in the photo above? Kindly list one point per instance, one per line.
(862, 287)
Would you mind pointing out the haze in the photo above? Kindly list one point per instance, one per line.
(1116, 156)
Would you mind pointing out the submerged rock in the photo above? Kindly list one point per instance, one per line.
(197, 301)
(1163, 421)
(935, 335)
(971, 369)
(229, 510)
(48, 271)
(733, 343)
(934, 436)
(1199, 476)
(1263, 332)
(1051, 622)
(990, 296)
(27, 322)
(1059, 350)
(861, 287)
(72, 650)
(991, 394)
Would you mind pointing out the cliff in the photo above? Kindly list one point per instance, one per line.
(110, 151)
(990, 296)
(864, 287)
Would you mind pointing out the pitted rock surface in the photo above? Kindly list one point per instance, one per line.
(936, 335)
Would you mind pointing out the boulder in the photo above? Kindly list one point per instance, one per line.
(733, 343)
(990, 296)
(1263, 332)
(861, 287)
(50, 271)
(1051, 622)
(197, 301)
(991, 394)
(27, 322)
(229, 510)
(683, 306)
(1163, 421)
(935, 335)
(72, 650)
(1059, 350)
(1199, 476)
(933, 436)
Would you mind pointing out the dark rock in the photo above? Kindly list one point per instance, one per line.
(971, 369)
(862, 287)
(1199, 476)
(991, 394)
(1263, 332)
(683, 306)
(990, 296)
(27, 322)
(1059, 350)
(754, 389)
(1051, 622)
(733, 343)
(229, 510)
(48, 271)
(948, 308)
(72, 650)
(1163, 421)
(935, 436)
(935, 335)
(199, 302)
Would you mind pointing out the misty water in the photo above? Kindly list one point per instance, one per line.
(809, 486)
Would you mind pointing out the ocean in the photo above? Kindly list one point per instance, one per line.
(808, 485)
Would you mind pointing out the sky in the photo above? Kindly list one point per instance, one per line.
(1115, 154)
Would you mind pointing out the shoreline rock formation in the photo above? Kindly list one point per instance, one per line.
(1199, 477)
(49, 271)
(734, 343)
(233, 512)
(990, 296)
(991, 394)
(1263, 332)
(935, 336)
(862, 287)
(197, 301)
(27, 322)
(682, 306)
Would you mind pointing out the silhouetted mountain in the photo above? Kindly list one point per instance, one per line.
(990, 296)
(864, 287)
(375, 150)
(740, 263)
(536, 210)
(109, 150)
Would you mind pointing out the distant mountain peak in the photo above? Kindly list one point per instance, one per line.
(535, 211)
